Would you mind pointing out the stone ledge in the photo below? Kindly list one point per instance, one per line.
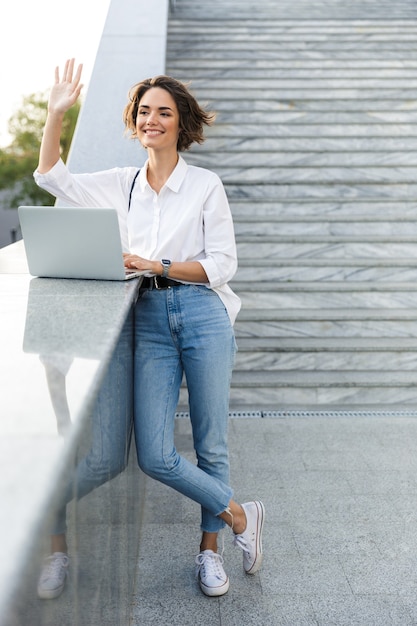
(68, 326)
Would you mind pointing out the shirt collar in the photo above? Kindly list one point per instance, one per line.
(174, 181)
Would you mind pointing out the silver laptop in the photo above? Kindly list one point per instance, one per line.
(68, 242)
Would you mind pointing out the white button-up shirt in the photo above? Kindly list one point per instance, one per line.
(189, 220)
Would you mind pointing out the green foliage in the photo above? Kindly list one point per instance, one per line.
(19, 160)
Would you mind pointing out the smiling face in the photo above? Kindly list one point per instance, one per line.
(157, 121)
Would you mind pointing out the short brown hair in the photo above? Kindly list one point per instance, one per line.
(192, 117)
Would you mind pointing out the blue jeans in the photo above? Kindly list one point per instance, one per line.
(185, 330)
(111, 428)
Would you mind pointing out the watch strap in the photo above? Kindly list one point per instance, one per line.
(166, 264)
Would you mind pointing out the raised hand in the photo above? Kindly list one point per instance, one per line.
(66, 90)
(64, 94)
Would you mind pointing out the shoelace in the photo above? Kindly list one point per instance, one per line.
(238, 540)
(53, 566)
(241, 542)
(210, 564)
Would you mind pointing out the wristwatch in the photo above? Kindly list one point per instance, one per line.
(166, 264)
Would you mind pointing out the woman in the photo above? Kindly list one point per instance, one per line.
(176, 224)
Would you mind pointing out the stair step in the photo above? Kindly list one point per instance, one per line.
(293, 160)
(290, 341)
(328, 334)
(281, 19)
(305, 103)
(247, 263)
(337, 210)
(323, 387)
(321, 191)
(366, 378)
(395, 328)
(288, 26)
(284, 52)
(284, 144)
(351, 229)
(325, 360)
(318, 175)
(320, 390)
(312, 389)
(285, 24)
(306, 92)
(355, 332)
(280, 69)
(327, 299)
(359, 13)
(331, 248)
(313, 239)
(349, 389)
(302, 45)
(332, 287)
(303, 273)
(314, 84)
(192, 67)
(331, 343)
(321, 119)
(312, 130)
(274, 37)
(248, 314)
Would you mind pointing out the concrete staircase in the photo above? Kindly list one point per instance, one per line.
(316, 143)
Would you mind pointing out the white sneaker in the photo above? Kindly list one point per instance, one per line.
(251, 539)
(210, 573)
(54, 573)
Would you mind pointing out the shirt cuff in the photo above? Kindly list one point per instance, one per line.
(55, 172)
(211, 269)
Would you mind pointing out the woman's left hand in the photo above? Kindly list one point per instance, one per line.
(133, 261)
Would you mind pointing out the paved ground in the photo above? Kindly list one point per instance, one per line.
(340, 538)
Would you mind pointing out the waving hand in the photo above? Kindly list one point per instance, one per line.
(65, 91)
(63, 95)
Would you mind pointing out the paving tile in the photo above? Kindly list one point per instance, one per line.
(362, 611)
(277, 610)
(318, 538)
(304, 575)
(380, 575)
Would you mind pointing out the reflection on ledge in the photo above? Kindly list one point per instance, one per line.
(60, 327)
(56, 370)
(80, 334)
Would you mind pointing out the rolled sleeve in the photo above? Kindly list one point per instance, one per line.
(219, 271)
(54, 180)
(220, 262)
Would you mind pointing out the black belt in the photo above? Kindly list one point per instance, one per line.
(158, 282)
